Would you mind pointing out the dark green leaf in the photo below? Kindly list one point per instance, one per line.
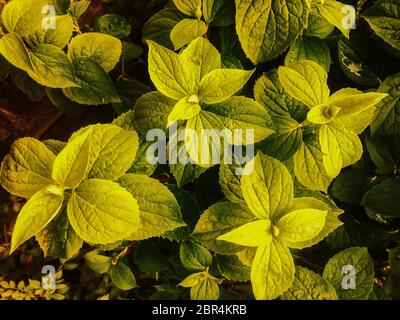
(122, 276)
(65, 105)
(27, 85)
(232, 269)
(384, 198)
(355, 68)
(350, 186)
(114, 25)
(159, 26)
(194, 257)
(149, 258)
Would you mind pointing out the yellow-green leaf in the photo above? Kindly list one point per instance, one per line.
(97, 262)
(170, 76)
(230, 183)
(268, 27)
(194, 257)
(310, 48)
(340, 148)
(191, 280)
(363, 265)
(101, 48)
(122, 276)
(206, 289)
(51, 67)
(112, 152)
(301, 225)
(239, 113)
(27, 169)
(71, 165)
(272, 271)
(352, 101)
(202, 57)
(12, 48)
(386, 121)
(309, 166)
(23, 16)
(305, 81)
(186, 108)
(322, 113)
(331, 223)
(318, 26)
(189, 7)
(58, 36)
(252, 234)
(383, 17)
(332, 11)
(308, 285)
(220, 84)
(103, 212)
(186, 31)
(36, 214)
(219, 219)
(95, 85)
(159, 26)
(222, 119)
(58, 239)
(267, 187)
(151, 111)
(159, 210)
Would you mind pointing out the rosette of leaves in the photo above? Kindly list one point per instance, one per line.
(35, 43)
(337, 118)
(79, 191)
(265, 215)
(196, 92)
(316, 130)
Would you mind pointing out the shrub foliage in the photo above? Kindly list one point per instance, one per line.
(317, 82)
